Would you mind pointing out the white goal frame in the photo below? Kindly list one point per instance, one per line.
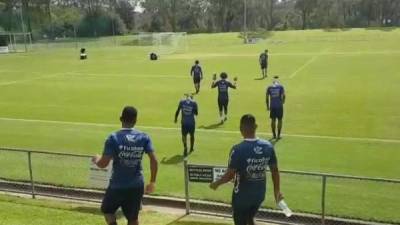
(164, 43)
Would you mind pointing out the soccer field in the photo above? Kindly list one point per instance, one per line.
(46, 212)
(341, 115)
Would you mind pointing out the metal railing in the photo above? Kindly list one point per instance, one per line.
(316, 198)
(320, 216)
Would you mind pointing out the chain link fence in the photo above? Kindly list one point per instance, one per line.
(315, 198)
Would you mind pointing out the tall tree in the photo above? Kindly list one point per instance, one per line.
(306, 7)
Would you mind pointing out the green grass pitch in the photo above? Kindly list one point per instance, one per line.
(341, 116)
(47, 212)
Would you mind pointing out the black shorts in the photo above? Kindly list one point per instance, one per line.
(264, 66)
(276, 113)
(196, 79)
(188, 129)
(223, 104)
(243, 215)
(129, 199)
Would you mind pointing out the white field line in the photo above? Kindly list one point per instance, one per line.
(125, 75)
(6, 83)
(303, 66)
(344, 53)
(397, 141)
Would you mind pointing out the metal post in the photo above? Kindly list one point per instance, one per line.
(245, 20)
(185, 166)
(323, 200)
(31, 175)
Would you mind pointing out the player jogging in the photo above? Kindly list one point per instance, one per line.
(197, 73)
(248, 163)
(126, 148)
(223, 97)
(188, 124)
(275, 98)
(263, 60)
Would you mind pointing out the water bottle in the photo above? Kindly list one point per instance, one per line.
(283, 206)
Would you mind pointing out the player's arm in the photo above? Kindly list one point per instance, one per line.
(177, 113)
(214, 83)
(101, 161)
(201, 73)
(267, 99)
(276, 182)
(230, 172)
(196, 109)
(104, 160)
(273, 166)
(228, 176)
(149, 150)
(191, 71)
(153, 172)
(234, 86)
(283, 96)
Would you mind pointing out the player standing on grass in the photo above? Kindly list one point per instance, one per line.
(188, 123)
(263, 60)
(197, 73)
(126, 148)
(247, 165)
(223, 97)
(275, 98)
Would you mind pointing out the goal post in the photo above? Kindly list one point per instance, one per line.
(11, 42)
(165, 42)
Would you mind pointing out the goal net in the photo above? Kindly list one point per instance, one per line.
(164, 43)
(15, 42)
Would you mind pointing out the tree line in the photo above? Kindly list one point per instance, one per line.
(68, 18)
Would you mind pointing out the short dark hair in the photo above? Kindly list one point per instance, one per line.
(223, 75)
(129, 114)
(248, 120)
(83, 50)
(197, 62)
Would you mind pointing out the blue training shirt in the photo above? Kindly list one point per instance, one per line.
(126, 147)
(189, 111)
(223, 86)
(250, 159)
(276, 92)
(196, 71)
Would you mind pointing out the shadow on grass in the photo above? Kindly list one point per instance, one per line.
(173, 160)
(94, 211)
(274, 141)
(211, 126)
(260, 78)
(196, 223)
(179, 221)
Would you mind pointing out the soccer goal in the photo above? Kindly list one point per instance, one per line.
(165, 42)
(15, 42)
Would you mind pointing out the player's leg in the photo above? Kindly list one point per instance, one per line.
(109, 206)
(272, 116)
(225, 107)
(198, 86)
(192, 138)
(184, 139)
(273, 127)
(240, 216)
(280, 121)
(220, 108)
(132, 204)
(252, 213)
(111, 219)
